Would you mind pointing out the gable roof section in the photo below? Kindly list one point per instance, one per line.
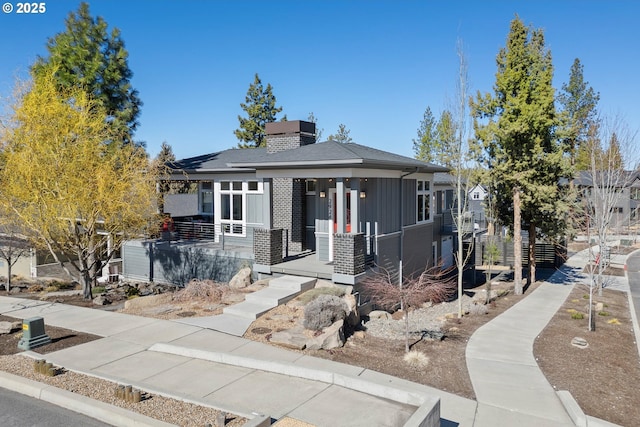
(336, 154)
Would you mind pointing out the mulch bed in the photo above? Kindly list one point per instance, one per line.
(604, 377)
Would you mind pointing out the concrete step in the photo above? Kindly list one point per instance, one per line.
(274, 296)
(248, 309)
(293, 283)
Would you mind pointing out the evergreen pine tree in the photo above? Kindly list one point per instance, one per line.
(86, 55)
(260, 106)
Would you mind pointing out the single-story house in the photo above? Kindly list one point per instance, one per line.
(325, 209)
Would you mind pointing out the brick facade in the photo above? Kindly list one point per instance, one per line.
(349, 254)
(288, 210)
(267, 246)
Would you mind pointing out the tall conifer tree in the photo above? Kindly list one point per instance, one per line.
(260, 106)
(516, 125)
(86, 55)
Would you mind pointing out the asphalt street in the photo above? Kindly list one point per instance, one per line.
(19, 410)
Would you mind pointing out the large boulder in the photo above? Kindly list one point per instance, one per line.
(331, 337)
(293, 338)
(380, 314)
(8, 327)
(242, 279)
(353, 317)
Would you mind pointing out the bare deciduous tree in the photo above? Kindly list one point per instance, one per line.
(432, 285)
(602, 192)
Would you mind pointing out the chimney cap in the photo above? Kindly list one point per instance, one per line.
(289, 127)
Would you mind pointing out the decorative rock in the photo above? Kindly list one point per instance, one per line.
(331, 337)
(358, 335)
(579, 342)
(101, 300)
(293, 338)
(15, 290)
(148, 301)
(379, 314)
(353, 317)
(242, 279)
(6, 328)
(599, 306)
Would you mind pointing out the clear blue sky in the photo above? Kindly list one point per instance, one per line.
(372, 65)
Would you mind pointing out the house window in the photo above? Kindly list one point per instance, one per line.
(252, 186)
(424, 199)
(206, 198)
(617, 210)
(476, 195)
(232, 207)
(310, 186)
(634, 193)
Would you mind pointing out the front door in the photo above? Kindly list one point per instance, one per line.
(333, 215)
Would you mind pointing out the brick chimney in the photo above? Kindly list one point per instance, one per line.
(288, 206)
(288, 135)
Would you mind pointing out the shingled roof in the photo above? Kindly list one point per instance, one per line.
(324, 154)
(336, 154)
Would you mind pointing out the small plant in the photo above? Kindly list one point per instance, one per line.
(132, 292)
(478, 309)
(314, 293)
(51, 288)
(99, 290)
(577, 315)
(604, 313)
(35, 288)
(324, 311)
(575, 300)
(585, 296)
(416, 359)
(571, 310)
(614, 322)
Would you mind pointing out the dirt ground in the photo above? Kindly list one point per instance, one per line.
(603, 378)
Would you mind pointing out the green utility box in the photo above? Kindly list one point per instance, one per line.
(33, 334)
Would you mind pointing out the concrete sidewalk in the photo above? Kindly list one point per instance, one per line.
(238, 375)
(194, 363)
(510, 388)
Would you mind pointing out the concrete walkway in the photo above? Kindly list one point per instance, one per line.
(195, 363)
(237, 375)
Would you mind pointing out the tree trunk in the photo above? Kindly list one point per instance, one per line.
(517, 243)
(9, 265)
(532, 254)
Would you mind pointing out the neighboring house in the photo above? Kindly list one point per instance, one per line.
(326, 209)
(624, 195)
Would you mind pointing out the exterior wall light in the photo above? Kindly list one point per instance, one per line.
(323, 194)
(363, 195)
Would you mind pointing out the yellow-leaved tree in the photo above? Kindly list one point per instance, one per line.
(75, 192)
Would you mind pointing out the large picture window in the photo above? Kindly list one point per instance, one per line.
(424, 199)
(231, 207)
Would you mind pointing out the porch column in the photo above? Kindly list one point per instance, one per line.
(340, 206)
(267, 212)
(355, 205)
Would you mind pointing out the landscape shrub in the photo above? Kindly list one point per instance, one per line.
(416, 359)
(324, 311)
(577, 315)
(201, 289)
(98, 290)
(35, 288)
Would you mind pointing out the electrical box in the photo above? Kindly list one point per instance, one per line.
(33, 334)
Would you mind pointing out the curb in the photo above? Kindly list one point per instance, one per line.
(101, 411)
(632, 308)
